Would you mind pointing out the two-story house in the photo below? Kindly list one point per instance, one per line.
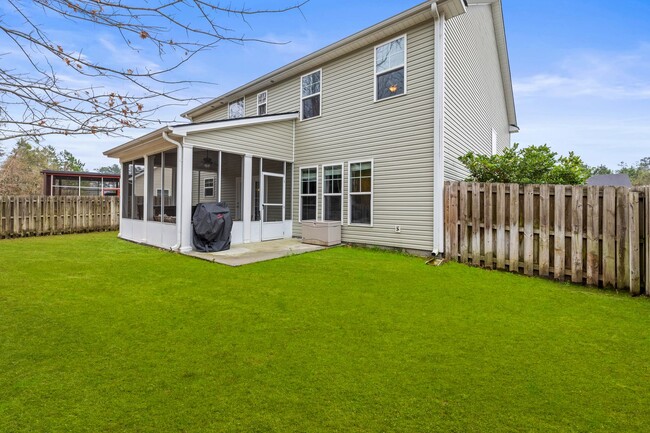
(364, 131)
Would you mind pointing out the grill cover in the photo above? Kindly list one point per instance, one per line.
(212, 226)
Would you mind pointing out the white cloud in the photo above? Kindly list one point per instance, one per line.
(605, 75)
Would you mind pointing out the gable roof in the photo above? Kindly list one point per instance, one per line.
(400, 22)
(368, 36)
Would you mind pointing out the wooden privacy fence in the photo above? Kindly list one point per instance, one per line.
(587, 235)
(40, 215)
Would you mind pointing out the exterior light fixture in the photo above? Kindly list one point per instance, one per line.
(207, 161)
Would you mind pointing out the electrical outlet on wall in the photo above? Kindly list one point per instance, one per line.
(398, 229)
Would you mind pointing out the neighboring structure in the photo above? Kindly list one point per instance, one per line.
(364, 131)
(610, 180)
(80, 183)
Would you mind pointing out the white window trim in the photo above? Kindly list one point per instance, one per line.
(159, 191)
(243, 99)
(205, 187)
(301, 195)
(372, 193)
(374, 65)
(339, 164)
(320, 100)
(266, 102)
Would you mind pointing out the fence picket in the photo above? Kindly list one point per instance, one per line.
(559, 234)
(544, 229)
(463, 243)
(622, 276)
(476, 224)
(501, 226)
(609, 237)
(593, 234)
(488, 227)
(634, 246)
(646, 238)
(453, 228)
(513, 263)
(529, 219)
(576, 234)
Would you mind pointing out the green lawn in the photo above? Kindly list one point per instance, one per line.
(101, 335)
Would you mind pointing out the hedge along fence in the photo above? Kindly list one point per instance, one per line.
(41, 215)
(587, 235)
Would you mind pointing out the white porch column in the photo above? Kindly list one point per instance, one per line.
(146, 200)
(246, 206)
(184, 200)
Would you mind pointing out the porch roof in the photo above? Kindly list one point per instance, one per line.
(155, 138)
(186, 128)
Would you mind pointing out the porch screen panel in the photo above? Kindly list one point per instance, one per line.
(127, 190)
(168, 189)
(138, 189)
(155, 190)
(288, 191)
(231, 183)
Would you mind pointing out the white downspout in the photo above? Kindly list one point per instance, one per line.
(179, 188)
(439, 132)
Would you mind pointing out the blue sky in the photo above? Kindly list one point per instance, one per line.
(581, 70)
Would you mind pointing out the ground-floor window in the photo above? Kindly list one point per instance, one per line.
(360, 193)
(332, 192)
(308, 185)
(208, 187)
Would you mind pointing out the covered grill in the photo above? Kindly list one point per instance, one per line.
(212, 226)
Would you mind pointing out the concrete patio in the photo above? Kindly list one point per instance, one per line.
(245, 254)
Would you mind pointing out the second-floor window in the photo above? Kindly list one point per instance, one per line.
(236, 109)
(310, 95)
(390, 69)
(261, 103)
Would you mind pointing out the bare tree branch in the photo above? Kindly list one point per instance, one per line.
(43, 100)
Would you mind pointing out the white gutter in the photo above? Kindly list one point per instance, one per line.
(179, 184)
(438, 132)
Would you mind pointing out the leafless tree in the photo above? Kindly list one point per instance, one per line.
(35, 101)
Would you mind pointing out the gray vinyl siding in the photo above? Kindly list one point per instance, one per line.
(219, 113)
(474, 95)
(270, 140)
(198, 182)
(396, 134)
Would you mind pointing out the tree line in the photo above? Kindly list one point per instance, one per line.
(540, 165)
(20, 170)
